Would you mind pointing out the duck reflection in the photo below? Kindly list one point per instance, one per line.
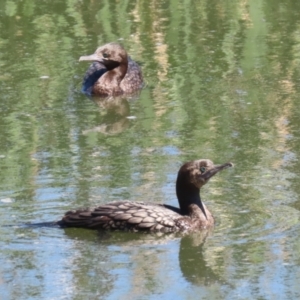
(192, 258)
(115, 112)
(193, 261)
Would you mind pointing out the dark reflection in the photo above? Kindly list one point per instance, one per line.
(192, 258)
(115, 120)
(122, 238)
(79, 234)
(296, 205)
(193, 263)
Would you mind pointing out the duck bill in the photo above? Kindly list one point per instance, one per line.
(92, 57)
(217, 169)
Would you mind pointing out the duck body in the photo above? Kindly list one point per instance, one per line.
(192, 215)
(112, 72)
(137, 216)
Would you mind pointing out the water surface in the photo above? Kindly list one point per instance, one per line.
(222, 83)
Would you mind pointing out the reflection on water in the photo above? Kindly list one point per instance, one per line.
(222, 83)
(141, 254)
(193, 264)
(115, 113)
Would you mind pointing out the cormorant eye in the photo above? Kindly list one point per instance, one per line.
(105, 55)
(202, 169)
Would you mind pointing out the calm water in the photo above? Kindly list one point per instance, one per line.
(223, 80)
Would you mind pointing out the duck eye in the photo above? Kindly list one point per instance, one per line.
(202, 169)
(105, 55)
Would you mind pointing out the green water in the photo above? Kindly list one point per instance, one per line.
(223, 82)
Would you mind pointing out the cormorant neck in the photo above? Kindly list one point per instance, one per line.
(187, 194)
